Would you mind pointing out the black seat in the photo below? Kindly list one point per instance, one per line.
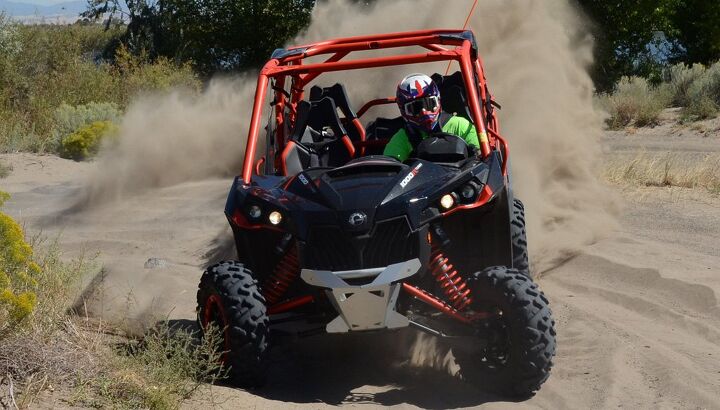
(452, 93)
(295, 158)
(318, 139)
(339, 96)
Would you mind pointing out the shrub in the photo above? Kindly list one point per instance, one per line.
(4, 170)
(18, 273)
(635, 101)
(69, 119)
(45, 69)
(701, 108)
(704, 95)
(9, 42)
(680, 77)
(140, 75)
(163, 368)
(85, 142)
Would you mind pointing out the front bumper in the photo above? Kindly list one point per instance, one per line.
(368, 306)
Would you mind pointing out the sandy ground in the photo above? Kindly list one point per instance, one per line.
(637, 313)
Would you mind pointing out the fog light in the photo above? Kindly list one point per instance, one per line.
(447, 201)
(467, 192)
(254, 212)
(275, 217)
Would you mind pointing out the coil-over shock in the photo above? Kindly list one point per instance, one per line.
(451, 282)
(284, 274)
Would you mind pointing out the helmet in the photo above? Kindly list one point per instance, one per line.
(418, 98)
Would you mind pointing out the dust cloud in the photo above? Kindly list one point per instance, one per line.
(175, 137)
(536, 55)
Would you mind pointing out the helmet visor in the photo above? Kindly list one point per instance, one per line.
(416, 107)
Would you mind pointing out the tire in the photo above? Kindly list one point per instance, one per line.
(517, 360)
(518, 236)
(228, 296)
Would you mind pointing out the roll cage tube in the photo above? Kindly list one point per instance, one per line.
(289, 63)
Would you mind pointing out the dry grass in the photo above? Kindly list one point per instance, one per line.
(90, 364)
(669, 169)
(157, 371)
(635, 102)
(48, 348)
(5, 170)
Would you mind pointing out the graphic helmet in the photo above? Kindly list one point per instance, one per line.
(418, 98)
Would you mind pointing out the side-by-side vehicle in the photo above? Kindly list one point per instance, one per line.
(334, 237)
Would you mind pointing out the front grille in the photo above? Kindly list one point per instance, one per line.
(330, 248)
(391, 242)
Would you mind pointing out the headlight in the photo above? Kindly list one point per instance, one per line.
(468, 192)
(275, 217)
(254, 212)
(447, 201)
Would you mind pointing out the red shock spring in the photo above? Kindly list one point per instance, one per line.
(451, 282)
(282, 277)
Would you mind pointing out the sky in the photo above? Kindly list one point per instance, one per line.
(41, 2)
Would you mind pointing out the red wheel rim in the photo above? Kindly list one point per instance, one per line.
(213, 311)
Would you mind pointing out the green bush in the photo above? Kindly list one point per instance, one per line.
(47, 69)
(17, 273)
(69, 119)
(9, 42)
(680, 77)
(635, 102)
(704, 95)
(85, 142)
(139, 75)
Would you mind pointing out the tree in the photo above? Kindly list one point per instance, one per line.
(698, 28)
(640, 37)
(623, 31)
(216, 35)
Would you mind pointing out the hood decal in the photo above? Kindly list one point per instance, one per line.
(410, 175)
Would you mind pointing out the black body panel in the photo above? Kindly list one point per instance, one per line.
(370, 213)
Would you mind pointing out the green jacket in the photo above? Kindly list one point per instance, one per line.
(400, 147)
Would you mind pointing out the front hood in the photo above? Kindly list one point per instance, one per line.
(366, 191)
(357, 197)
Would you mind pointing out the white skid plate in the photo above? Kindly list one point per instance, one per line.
(364, 307)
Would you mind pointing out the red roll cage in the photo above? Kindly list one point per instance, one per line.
(288, 63)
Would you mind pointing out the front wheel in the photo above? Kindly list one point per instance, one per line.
(517, 357)
(519, 238)
(228, 297)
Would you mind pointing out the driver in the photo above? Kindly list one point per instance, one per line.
(418, 98)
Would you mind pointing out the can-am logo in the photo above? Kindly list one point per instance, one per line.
(357, 219)
(410, 176)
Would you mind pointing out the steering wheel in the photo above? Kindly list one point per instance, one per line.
(444, 147)
(446, 135)
(472, 150)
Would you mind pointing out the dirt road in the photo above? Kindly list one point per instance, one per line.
(637, 313)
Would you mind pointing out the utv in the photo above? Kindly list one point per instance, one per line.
(333, 237)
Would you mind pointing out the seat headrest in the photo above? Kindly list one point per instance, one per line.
(339, 96)
(323, 113)
(452, 93)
